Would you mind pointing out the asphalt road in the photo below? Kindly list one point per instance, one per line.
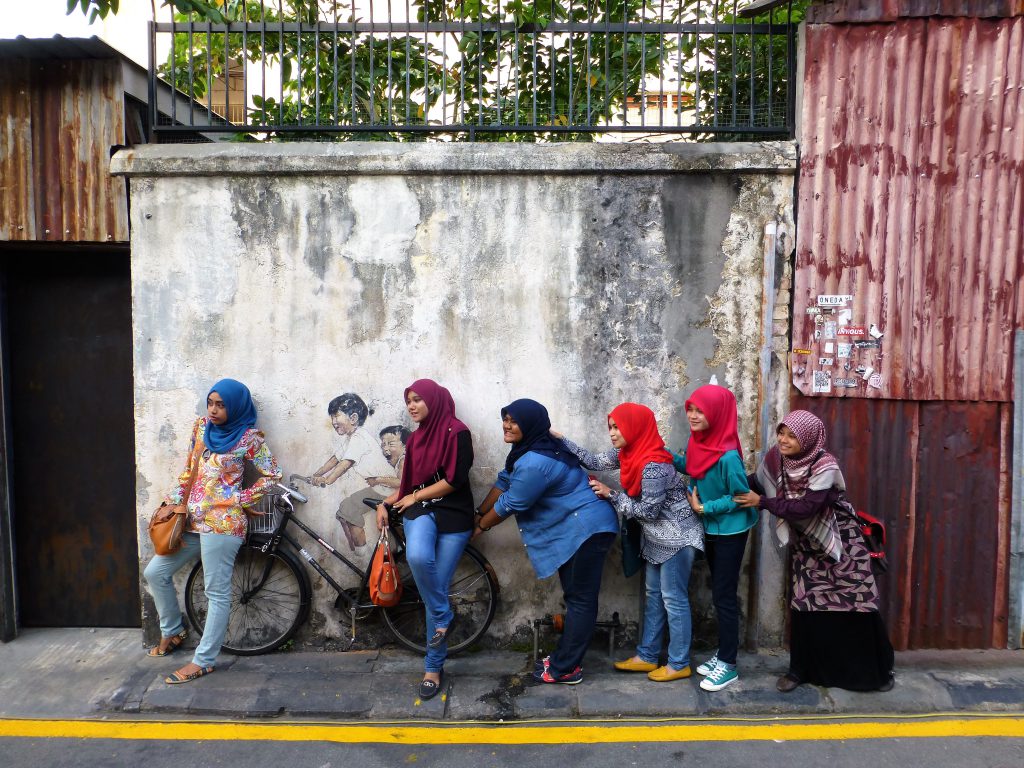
(710, 746)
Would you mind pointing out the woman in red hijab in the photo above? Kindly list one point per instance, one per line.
(436, 503)
(714, 460)
(653, 494)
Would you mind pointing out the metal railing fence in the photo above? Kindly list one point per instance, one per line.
(516, 70)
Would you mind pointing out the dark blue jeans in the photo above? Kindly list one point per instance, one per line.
(581, 583)
(725, 556)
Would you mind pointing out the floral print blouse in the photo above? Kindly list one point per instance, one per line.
(216, 502)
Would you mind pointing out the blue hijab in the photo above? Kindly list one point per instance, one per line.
(532, 418)
(221, 438)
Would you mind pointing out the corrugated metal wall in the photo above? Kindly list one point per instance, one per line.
(58, 120)
(926, 469)
(911, 200)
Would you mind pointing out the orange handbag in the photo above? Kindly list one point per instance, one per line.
(385, 583)
(167, 524)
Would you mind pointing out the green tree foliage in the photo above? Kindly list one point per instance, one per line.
(743, 78)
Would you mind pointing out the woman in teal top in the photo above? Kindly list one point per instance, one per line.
(713, 459)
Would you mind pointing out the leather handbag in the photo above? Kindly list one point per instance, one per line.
(385, 583)
(167, 523)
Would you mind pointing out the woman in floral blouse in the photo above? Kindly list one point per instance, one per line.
(221, 443)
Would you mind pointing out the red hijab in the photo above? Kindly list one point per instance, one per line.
(434, 444)
(706, 447)
(643, 444)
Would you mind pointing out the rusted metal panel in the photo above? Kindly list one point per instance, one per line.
(59, 120)
(836, 11)
(935, 472)
(958, 600)
(911, 192)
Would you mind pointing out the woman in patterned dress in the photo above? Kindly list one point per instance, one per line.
(221, 443)
(654, 495)
(837, 636)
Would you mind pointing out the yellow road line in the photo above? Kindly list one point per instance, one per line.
(498, 734)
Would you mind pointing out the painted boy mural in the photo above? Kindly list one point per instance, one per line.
(358, 462)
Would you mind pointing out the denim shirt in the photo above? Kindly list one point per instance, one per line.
(555, 508)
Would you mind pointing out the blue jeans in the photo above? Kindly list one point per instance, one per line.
(217, 551)
(433, 557)
(581, 583)
(668, 603)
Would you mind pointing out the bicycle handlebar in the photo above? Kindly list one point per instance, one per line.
(291, 492)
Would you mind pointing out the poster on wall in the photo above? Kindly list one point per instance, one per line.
(838, 348)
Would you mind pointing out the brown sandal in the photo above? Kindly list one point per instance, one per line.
(176, 678)
(176, 641)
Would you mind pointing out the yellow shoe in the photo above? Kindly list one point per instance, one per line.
(635, 665)
(667, 674)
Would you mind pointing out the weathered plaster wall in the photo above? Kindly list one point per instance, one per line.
(581, 276)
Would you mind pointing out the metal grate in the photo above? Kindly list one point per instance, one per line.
(266, 518)
(556, 69)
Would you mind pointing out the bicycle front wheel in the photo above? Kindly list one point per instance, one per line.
(270, 596)
(473, 595)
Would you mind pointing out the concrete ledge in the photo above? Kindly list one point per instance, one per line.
(380, 159)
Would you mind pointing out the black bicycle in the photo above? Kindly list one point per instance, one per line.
(271, 589)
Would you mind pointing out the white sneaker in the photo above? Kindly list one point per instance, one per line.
(705, 669)
(719, 677)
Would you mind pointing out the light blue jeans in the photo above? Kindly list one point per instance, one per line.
(433, 557)
(217, 551)
(668, 603)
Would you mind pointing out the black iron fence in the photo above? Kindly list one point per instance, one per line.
(518, 70)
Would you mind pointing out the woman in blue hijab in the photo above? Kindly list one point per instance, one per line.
(564, 526)
(211, 488)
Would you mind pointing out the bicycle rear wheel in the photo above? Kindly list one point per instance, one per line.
(270, 596)
(473, 595)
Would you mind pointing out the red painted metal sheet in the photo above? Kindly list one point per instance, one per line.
(911, 194)
(936, 474)
(836, 11)
(58, 120)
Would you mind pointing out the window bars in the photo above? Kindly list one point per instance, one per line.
(476, 69)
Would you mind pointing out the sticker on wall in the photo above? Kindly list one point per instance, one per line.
(834, 299)
(830, 347)
(801, 351)
(830, 329)
(813, 310)
(875, 382)
(822, 382)
(845, 383)
(864, 371)
(867, 344)
(825, 362)
(874, 333)
(843, 350)
(844, 316)
(852, 330)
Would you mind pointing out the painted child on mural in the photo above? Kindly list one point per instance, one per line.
(356, 461)
(393, 440)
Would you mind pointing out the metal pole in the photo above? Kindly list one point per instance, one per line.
(1015, 625)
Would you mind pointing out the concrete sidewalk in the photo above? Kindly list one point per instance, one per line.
(103, 673)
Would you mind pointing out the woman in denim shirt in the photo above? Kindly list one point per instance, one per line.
(564, 527)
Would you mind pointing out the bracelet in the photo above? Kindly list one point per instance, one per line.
(482, 528)
(414, 497)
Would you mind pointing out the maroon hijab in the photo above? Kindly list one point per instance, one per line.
(434, 444)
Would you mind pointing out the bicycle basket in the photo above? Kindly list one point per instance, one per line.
(264, 517)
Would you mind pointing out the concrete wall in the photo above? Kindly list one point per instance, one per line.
(581, 276)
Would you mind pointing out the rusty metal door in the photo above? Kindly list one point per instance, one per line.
(69, 402)
(934, 471)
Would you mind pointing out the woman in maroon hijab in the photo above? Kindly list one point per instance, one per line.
(436, 503)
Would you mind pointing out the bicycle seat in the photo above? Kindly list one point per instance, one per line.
(372, 503)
